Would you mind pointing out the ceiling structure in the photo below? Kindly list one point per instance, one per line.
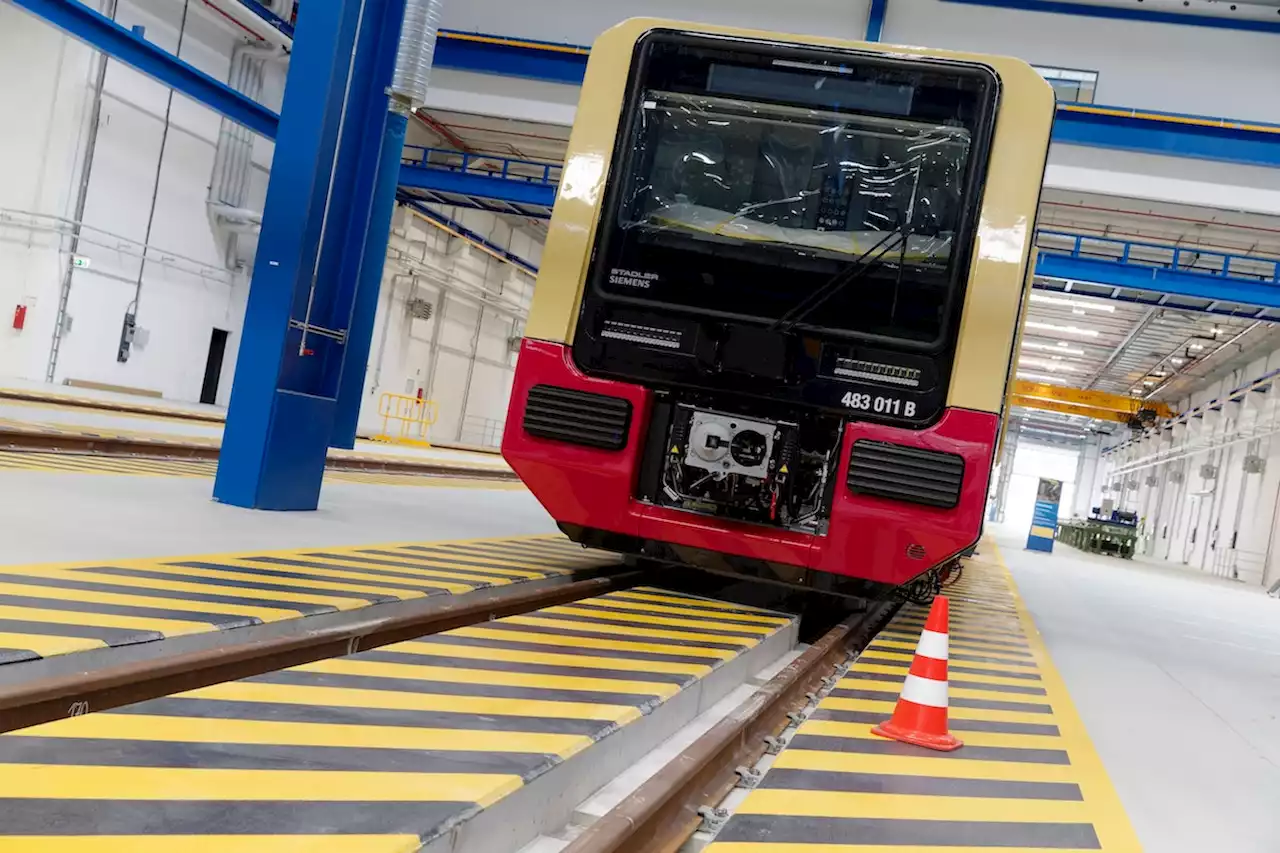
(1154, 351)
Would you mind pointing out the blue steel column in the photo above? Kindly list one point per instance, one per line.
(875, 19)
(356, 359)
(320, 202)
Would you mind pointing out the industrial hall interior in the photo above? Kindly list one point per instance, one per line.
(834, 426)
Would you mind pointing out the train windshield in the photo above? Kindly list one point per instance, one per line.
(795, 193)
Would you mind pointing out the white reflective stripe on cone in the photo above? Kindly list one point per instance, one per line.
(932, 645)
(925, 691)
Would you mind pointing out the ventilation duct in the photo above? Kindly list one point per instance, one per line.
(414, 54)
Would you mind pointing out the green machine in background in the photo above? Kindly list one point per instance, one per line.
(1110, 532)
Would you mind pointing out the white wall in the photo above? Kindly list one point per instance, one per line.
(1193, 522)
(1156, 66)
(580, 21)
(1031, 462)
(43, 77)
(1177, 180)
(46, 83)
(1152, 66)
(460, 357)
(1169, 67)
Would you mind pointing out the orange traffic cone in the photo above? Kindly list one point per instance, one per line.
(920, 717)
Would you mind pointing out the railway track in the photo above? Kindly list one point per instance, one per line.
(75, 694)
(664, 812)
(102, 405)
(659, 816)
(141, 448)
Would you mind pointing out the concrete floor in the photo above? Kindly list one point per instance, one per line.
(1177, 677)
(46, 517)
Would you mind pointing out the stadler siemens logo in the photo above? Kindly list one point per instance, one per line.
(631, 278)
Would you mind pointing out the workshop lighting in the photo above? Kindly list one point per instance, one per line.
(1037, 377)
(1060, 348)
(1070, 330)
(1043, 364)
(1078, 305)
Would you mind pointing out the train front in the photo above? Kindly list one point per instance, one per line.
(773, 326)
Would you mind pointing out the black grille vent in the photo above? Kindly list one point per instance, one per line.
(906, 473)
(577, 417)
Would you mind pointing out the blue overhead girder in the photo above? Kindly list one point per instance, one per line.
(104, 34)
(1198, 137)
(1234, 289)
(414, 176)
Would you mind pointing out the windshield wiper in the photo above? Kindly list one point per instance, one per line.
(838, 282)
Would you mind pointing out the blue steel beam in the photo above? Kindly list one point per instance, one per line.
(100, 32)
(1155, 16)
(1156, 133)
(367, 279)
(478, 185)
(875, 19)
(270, 17)
(1223, 288)
(1170, 134)
(510, 57)
(300, 326)
(1117, 263)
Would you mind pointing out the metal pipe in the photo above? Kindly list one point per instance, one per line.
(414, 54)
(364, 307)
(1175, 374)
(1148, 215)
(82, 197)
(88, 234)
(234, 23)
(155, 189)
(251, 22)
(382, 339)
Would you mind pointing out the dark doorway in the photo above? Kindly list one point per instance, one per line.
(213, 366)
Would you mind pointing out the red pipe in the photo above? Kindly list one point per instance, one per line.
(1167, 216)
(441, 130)
(512, 133)
(256, 37)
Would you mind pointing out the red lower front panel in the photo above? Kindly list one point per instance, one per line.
(871, 538)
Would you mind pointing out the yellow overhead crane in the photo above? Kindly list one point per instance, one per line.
(1077, 401)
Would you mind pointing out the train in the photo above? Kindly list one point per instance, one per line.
(773, 330)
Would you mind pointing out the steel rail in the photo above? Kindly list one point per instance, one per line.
(74, 695)
(660, 815)
(70, 443)
(109, 406)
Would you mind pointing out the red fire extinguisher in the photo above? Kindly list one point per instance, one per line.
(20, 317)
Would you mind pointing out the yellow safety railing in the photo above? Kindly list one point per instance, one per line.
(411, 416)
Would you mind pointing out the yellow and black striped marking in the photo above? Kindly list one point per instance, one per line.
(68, 463)
(1027, 778)
(374, 753)
(50, 610)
